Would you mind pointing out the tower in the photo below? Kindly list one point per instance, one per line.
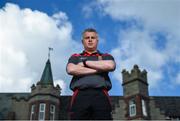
(44, 98)
(135, 92)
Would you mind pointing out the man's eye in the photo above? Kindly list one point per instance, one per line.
(89, 37)
(86, 37)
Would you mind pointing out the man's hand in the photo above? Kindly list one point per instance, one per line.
(92, 67)
(79, 69)
(81, 64)
(102, 65)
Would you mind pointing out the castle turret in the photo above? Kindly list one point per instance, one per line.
(47, 78)
(135, 92)
(44, 101)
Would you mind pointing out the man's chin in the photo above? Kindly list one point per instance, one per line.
(91, 49)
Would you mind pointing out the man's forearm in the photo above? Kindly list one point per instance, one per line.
(102, 65)
(79, 70)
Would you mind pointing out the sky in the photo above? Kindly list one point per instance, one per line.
(139, 32)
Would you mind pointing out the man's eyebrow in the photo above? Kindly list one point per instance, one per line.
(90, 37)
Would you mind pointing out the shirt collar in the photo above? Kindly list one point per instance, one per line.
(94, 53)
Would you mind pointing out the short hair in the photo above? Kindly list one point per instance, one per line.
(89, 30)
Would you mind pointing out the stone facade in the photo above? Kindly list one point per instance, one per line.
(44, 101)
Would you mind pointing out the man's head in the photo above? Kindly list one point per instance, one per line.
(90, 40)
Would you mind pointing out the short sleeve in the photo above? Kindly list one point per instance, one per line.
(73, 59)
(107, 57)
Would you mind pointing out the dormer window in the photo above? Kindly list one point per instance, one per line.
(132, 108)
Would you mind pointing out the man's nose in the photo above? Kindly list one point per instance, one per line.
(90, 40)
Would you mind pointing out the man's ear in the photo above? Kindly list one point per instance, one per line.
(82, 41)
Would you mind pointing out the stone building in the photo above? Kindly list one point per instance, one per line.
(44, 102)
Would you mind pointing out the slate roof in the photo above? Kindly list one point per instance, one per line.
(47, 77)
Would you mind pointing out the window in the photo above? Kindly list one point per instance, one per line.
(32, 112)
(144, 110)
(52, 112)
(42, 108)
(132, 108)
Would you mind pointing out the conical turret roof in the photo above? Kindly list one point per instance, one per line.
(47, 77)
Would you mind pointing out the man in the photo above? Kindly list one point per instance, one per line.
(90, 81)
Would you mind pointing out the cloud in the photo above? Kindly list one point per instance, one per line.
(151, 40)
(136, 47)
(25, 36)
(177, 80)
(161, 12)
(87, 11)
(155, 17)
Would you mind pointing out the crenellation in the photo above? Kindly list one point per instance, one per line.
(46, 89)
(22, 98)
(135, 70)
(144, 75)
(33, 87)
(125, 75)
(135, 74)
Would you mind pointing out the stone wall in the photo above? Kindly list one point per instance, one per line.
(21, 108)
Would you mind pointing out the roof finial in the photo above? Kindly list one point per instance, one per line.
(50, 49)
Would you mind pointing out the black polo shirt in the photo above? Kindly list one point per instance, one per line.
(99, 80)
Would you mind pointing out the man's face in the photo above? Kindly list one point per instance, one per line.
(90, 41)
